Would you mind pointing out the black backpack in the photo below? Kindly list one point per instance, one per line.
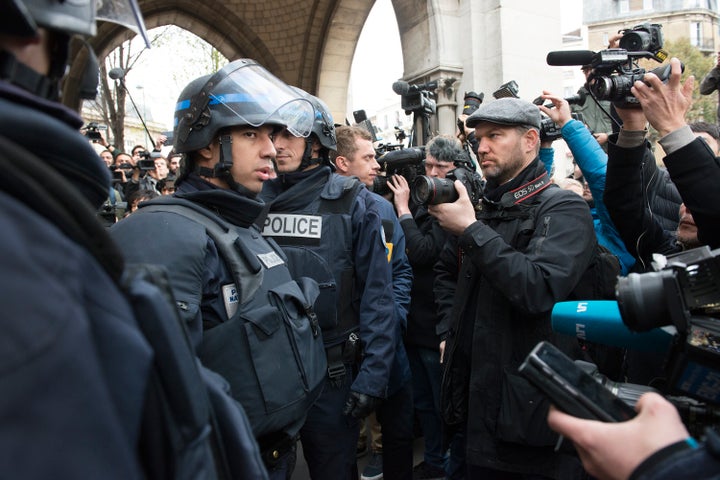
(191, 427)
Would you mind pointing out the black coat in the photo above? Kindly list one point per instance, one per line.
(496, 286)
(424, 239)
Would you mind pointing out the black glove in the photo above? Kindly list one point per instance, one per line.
(360, 405)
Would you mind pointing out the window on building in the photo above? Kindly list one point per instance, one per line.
(624, 6)
(695, 34)
(647, 4)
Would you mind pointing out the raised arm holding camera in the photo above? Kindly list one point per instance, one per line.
(592, 161)
(691, 164)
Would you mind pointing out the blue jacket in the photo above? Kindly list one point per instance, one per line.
(592, 160)
(402, 278)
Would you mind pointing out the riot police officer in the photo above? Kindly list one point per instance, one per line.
(250, 321)
(345, 253)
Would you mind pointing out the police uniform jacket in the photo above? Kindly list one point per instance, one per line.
(70, 408)
(496, 286)
(210, 302)
(371, 294)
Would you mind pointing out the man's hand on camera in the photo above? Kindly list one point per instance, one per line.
(160, 142)
(401, 194)
(455, 217)
(614, 450)
(360, 405)
(665, 105)
(561, 114)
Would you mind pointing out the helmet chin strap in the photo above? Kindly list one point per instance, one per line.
(307, 160)
(223, 169)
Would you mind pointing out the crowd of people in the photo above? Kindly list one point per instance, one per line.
(311, 308)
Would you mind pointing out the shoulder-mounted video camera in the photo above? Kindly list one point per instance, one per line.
(407, 162)
(615, 70)
(674, 310)
(685, 294)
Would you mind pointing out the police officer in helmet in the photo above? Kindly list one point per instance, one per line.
(225, 123)
(346, 255)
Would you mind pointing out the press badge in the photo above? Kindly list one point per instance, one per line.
(230, 297)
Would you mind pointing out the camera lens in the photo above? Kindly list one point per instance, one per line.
(635, 41)
(432, 191)
(642, 301)
(613, 88)
(380, 185)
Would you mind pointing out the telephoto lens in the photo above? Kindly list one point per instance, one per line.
(433, 191)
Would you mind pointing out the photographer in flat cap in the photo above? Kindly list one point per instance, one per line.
(518, 251)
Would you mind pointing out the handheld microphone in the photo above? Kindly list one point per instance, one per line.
(403, 88)
(570, 57)
(599, 321)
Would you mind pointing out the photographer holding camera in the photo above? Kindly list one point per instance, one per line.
(525, 248)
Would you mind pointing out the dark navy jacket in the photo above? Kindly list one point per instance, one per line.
(402, 277)
(69, 407)
(372, 274)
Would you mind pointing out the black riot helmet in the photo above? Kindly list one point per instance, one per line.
(64, 18)
(242, 93)
(323, 130)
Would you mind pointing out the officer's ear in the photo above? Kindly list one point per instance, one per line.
(342, 164)
(206, 156)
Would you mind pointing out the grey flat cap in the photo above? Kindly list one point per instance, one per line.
(506, 111)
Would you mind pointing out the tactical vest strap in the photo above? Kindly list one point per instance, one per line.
(246, 269)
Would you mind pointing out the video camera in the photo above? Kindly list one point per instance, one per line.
(615, 70)
(675, 310)
(407, 162)
(416, 98)
(434, 190)
(147, 160)
(92, 131)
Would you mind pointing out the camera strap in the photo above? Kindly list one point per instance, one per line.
(526, 191)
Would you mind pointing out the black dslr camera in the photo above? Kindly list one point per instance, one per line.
(92, 131)
(407, 162)
(433, 190)
(549, 130)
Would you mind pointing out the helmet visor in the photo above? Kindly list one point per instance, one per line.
(125, 13)
(258, 98)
